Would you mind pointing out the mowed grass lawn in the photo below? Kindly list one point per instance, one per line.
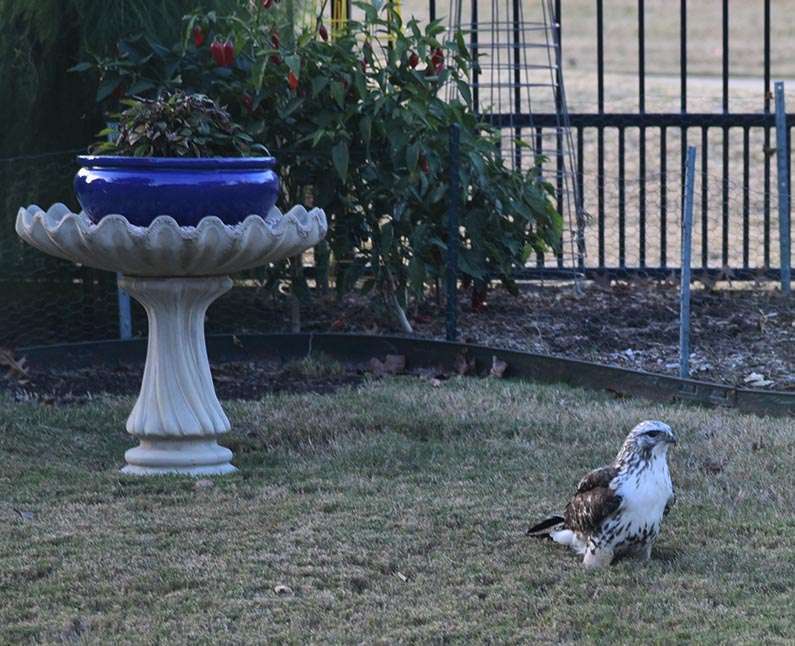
(393, 512)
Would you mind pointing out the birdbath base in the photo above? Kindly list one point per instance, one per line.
(177, 416)
(191, 457)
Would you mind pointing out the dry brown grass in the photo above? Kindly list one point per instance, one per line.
(393, 513)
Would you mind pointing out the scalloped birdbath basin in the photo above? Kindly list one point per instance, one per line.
(175, 272)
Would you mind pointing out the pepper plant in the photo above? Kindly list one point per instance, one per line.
(176, 125)
(360, 128)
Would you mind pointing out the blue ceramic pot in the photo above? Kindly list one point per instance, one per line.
(188, 189)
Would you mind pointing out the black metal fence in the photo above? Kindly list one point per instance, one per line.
(635, 208)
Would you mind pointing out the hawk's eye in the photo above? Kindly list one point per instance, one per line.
(653, 433)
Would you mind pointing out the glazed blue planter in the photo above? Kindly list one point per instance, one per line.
(187, 189)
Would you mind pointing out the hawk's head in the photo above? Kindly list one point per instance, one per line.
(649, 437)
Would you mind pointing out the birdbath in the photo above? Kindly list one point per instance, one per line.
(175, 272)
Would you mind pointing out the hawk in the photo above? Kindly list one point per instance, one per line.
(618, 509)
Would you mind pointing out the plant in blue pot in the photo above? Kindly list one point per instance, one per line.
(180, 155)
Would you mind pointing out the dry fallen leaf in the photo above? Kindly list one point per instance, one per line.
(204, 483)
(757, 380)
(498, 367)
(24, 515)
(376, 366)
(464, 365)
(395, 363)
(392, 365)
(713, 466)
(16, 367)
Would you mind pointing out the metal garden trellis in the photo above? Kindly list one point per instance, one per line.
(518, 72)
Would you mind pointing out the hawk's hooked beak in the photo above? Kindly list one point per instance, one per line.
(672, 438)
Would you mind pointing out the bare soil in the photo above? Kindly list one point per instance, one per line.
(233, 380)
(741, 337)
(734, 332)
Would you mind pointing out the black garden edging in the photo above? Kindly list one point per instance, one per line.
(421, 353)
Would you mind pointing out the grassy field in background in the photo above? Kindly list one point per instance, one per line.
(392, 512)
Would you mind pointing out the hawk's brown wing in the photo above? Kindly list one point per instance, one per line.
(600, 477)
(593, 502)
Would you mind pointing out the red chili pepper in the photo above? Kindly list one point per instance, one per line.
(266, 4)
(275, 40)
(229, 54)
(437, 60)
(323, 32)
(414, 60)
(276, 59)
(425, 165)
(217, 52)
(248, 102)
(292, 80)
(198, 36)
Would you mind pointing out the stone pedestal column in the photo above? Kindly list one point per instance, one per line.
(177, 416)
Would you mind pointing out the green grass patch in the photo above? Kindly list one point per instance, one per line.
(393, 512)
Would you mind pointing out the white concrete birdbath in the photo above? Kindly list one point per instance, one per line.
(175, 272)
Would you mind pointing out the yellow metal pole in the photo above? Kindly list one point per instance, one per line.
(397, 7)
(339, 16)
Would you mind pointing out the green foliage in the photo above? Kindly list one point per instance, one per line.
(360, 129)
(41, 39)
(177, 125)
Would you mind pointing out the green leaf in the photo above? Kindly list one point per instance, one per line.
(140, 86)
(106, 88)
(416, 275)
(468, 265)
(365, 129)
(387, 236)
(318, 85)
(412, 156)
(338, 93)
(463, 89)
(340, 155)
(294, 63)
(81, 67)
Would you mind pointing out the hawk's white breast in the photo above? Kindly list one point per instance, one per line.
(645, 490)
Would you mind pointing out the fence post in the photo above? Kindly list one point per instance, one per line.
(125, 319)
(684, 288)
(452, 233)
(782, 164)
(122, 297)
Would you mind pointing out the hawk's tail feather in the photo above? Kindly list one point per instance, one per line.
(545, 527)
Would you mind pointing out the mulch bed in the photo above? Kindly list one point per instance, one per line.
(741, 337)
(735, 332)
(233, 380)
